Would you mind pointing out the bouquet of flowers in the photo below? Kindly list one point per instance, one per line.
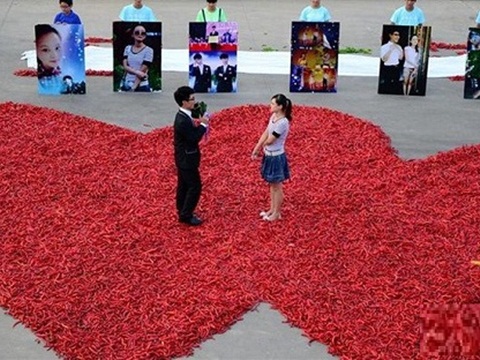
(199, 110)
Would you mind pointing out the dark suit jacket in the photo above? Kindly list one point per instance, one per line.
(186, 137)
(225, 78)
(203, 81)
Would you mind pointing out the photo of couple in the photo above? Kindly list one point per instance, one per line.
(404, 60)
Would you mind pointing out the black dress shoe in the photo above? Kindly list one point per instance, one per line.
(193, 221)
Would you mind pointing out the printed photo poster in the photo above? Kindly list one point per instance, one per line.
(314, 56)
(60, 51)
(472, 68)
(404, 60)
(213, 57)
(137, 56)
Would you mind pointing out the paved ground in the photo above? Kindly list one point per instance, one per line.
(418, 126)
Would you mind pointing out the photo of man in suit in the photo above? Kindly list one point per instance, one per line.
(186, 137)
(214, 31)
(202, 74)
(225, 75)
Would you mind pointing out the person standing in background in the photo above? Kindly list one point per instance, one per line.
(67, 16)
(408, 15)
(211, 13)
(137, 12)
(315, 13)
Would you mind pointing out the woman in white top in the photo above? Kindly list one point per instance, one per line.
(137, 59)
(274, 167)
(410, 67)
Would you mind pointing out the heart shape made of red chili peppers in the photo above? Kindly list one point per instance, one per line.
(93, 260)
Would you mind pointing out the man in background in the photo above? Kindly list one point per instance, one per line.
(67, 16)
(408, 15)
(137, 12)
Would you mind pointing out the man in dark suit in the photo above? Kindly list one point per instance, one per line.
(225, 75)
(202, 74)
(214, 31)
(186, 136)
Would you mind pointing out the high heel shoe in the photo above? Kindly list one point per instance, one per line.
(264, 213)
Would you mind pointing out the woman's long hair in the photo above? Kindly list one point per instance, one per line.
(416, 46)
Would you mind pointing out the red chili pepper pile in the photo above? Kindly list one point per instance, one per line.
(457, 78)
(98, 40)
(435, 45)
(451, 330)
(93, 260)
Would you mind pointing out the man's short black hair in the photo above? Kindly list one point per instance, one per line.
(68, 2)
(197, 56)
(223, 56)
(183, 94)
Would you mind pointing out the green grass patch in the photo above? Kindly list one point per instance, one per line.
(354, 50)
(267, 48)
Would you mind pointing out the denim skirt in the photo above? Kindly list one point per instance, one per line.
(275, 168)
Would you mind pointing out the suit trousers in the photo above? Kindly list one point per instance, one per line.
(390, 83)
(189, 187)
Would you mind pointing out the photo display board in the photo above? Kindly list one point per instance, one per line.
(137, 56)
(472, 67)
(60, 51)
(213, 57)
(314, 56)
(404, 60)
